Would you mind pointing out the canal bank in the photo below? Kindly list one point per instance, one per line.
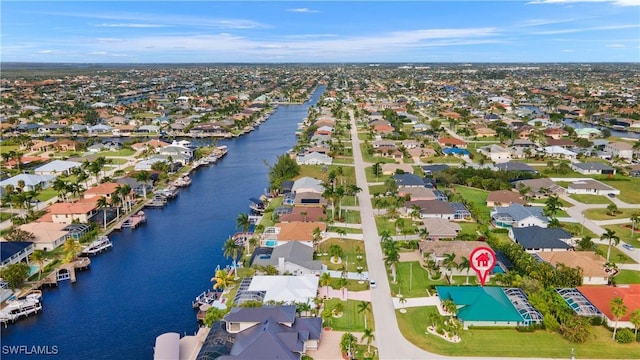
(144, 287)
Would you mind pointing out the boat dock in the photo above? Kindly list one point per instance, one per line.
(101, 244)
(67, 272)
(21, 307)
(132, 221)
(158, 201)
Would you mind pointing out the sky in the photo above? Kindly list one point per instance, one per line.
(320, 31)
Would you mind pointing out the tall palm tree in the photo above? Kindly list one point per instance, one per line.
(317, 236)
(611, 236)
(618, 310)
(71, 249)
(423, 233)
(222, 280)
(391, 259)
(449, 264)
(354, 190)
(143, 177)
(230, 249)
(103, 203)
(116, 201)
(38, 257)
(325, 280)
(243, 223)
(465, 264)
(635, 320)
(125, 193)
(635, 218)
(552, 205)
(364, 307)
(368, 336)
(450, 307)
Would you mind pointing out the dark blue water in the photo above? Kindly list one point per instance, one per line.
(145, 285)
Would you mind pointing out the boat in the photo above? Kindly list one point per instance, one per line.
(182, 181)
(206, 297)
(134, 220)
(99, 245)
(158, 200)
(21, 307)
(257, 205)
(169, 192)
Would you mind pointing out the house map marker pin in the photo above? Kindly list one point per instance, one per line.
(482, 259)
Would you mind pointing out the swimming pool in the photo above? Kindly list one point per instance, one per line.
(271, 243)
(498, 269)
(33, 269)
(264, 256)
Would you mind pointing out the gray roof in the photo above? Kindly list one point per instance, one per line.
(58, 166)
(285, 314)
(408, 180)
(431, 206)
(592, 166)
(293, 252)
(519, 212)
(535, 237)
(515, 166)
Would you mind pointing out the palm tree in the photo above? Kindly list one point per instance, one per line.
(392, 259)
(611, 236)
(243, 223)
(354, 190)
(449, 264)
(365, 308)
(143, 177)
(317, 236)
(424, 233)
(465, 265)
(450, 307)
(38, 257)
(60, 186)
(71, 249)
(125, 194)
(552, 205)
(341, 232)
(325, 280)
(230, 249)
(222, 280)
(103, 204)
(635, 320)
(618, 309)
(554, 223)
(367, 335)
(635, 218)
(116, 201)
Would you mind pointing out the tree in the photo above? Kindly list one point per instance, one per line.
(586, 244)
(449, 264)
(325, 280)
(368, 336)
(465, 265)
(341, 232)
(284, 169)
(222, 280)
(618, 310)
(348, 344)
(552, 205)
(230, 249)
(612, 209)
(38, 257)
(15, 274)
(635, 320)
(116, 201)
(435, 124)
(71, 249)
(214, 314)
(635, 218)
(554, 223)
(103, 204)
(377, 169)
(317, 236)
(611, 236)
(450, 307)
(18, 234)
(125, 194)
(243, 223)
(143, 177)
(364, 307)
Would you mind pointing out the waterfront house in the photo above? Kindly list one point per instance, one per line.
(57, 168)
(66, 213)
(308, 199)
(314, 158)
(282, 232)
(14, 252)
(176, 151)
(593, 168)
(307, 184)
(592, 264)
(536, 238)
(137, 187)
(30, 181)
(591, 187)
(47, 235)
(278, 288)
(518, 216)
(105, 190)
(504, 197)
(306, 213)
(555, 133)
(292, 258)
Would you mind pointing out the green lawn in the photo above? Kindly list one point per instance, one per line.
(544, 201)
(509, 342)
(628, 188)
(351, 249)
(315, 171)
(419, 283)
(478, 197)
(450, 159)
(617, 256)
(372, 178)
(628, 277)
(8, 148)
(47, 194)
(373, 159)
(590, 199)
(267, 220)
(4, 216)
(343, 160)
(351, 320)
(346, 230)
(121, 152)
(578, 230)
(601, 214)
(624, 233)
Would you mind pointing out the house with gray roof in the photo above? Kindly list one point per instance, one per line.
(314, 158)
(307, 184)
(516, 166)
(591, 187)
(536, 238)
(57, 167)
(593, 168)
(408, 180)
(518, 216)
(432, 209)
(292, 257)
(30, 181)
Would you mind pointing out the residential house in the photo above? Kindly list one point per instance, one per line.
(41, 145)
(47, 235)
(555, 133)
(303, 213)
(601, 297)
(299, 289)
(593, 168)
(105, 190)
(559, 152)
(408, 180)
(592, 264)
(591, 187)
(421, 193)
(308, 199)
(66, 213)
(57, 168)
(619, 149)
(14, 252)
(540, 187)
(452, 142)
(482, 132)
(536, 238)
(516, 166)
(441, 229)
(496, 153)
(314, 158)
(307, 184)
(432, 209)
(30, 181)
(518, 216)
(282, 232)
(65, 145)
(136, 186)
(179, 153)
(390, 169)
(432, 169)
(504, 197)
(292, 258)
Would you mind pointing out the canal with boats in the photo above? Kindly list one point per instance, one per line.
(144, 286)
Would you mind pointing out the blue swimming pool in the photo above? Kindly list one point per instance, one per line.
(498, 269)
(264, 256)
(271, 243)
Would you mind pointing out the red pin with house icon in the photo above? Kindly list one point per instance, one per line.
(482, 260)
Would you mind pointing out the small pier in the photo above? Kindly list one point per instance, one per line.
(132, 221)
(101, 244)
(67, 272)
(158, 201)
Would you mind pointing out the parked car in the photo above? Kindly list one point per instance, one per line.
(628, 247)
(372, 284)
(611, 195)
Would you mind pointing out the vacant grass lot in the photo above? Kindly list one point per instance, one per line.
(121, 152)
(627, 277)
(316, 171)
(351, 249)
(350, 320)
(590, 199)
(479, 198)
(47, 194)
(624, 233)
(372, 178)
(508, 342)
(419, 283)
(602, 214)
(628, 188)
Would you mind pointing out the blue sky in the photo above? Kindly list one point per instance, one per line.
(295, 31)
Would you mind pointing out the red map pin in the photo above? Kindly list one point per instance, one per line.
(482, 259)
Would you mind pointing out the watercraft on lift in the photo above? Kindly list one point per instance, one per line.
(21, 307)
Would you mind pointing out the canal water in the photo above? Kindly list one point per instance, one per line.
(144, 286)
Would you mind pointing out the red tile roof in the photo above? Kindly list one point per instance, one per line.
(601, 297)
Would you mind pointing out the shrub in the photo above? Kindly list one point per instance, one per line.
(500, 231)
(624, 336)
(597, 321)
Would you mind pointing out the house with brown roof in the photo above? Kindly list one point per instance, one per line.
(451, 141)
(390, 168)
(292, 231)
(66, 213)
(41, 145)
(65, 145)
(484, 132)
(504, 197)
(601, 297)
(440, 229)
(592, 264)
(555, 133)
(305, 214)
(103, 190)
(47, 235)
(437, 250)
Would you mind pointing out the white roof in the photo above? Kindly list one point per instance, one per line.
(58, 166)
(307, 184)
(299, 289)
(558, 150)
(29, 179)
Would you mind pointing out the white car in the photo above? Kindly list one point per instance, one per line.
(372, 284)
(628, 247)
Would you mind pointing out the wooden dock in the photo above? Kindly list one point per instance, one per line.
(67, 272)
(131, 221)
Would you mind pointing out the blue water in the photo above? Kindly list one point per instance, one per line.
(144, 287)
(271, 243)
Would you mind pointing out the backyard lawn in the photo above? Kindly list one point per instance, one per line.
(577, 229)
(590, 199)
(351, 319)
(121, 152)
(509, 342)
(316, 171)
(47, 194)
(627, 277)
(602, 214)
(478, 197)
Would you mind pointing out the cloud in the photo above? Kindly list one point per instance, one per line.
(108, 40)
(303, 10)
(614, 2)
(46, 51)
(98, 53)
(124, 25)
(595, 28)
(616, 46)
